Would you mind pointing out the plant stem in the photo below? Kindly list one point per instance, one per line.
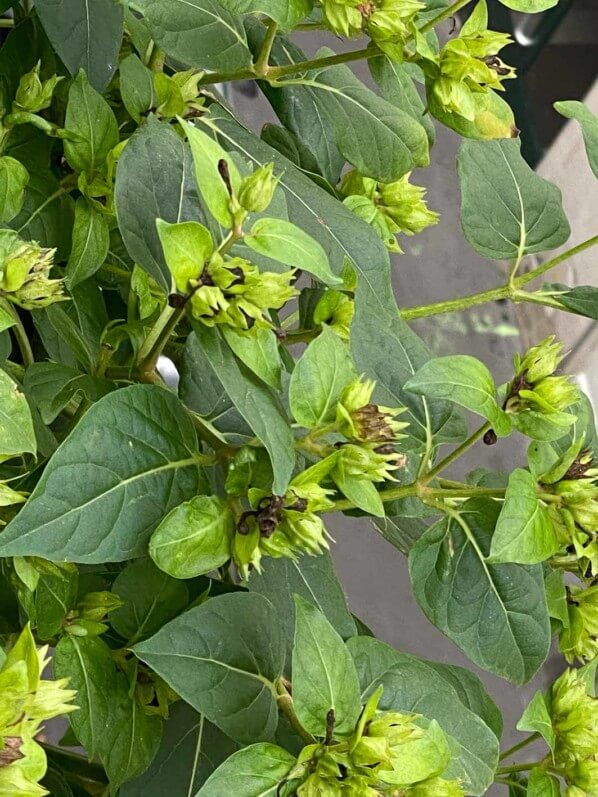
(158, 336)
(519, 746)
(517, 768)
(446, 13)
(261, 64)
(322, 63)
(285, 704)
(419, 489)
(555, 261)
(465, 445)
(454, 305)
(20, 335)
(7, 23)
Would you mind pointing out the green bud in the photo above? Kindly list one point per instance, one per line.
(540, 361)
(335, 309)
(257, 190)
(355, 184)
(405, 205)
(552, 394)
(246, 551)
(582, 777)
(24, 275)
(580, 639)
(358, 419)
(96, 605)
(33, 94)
(370, 462)
(391, 23)
(344, 17)
(574, 719)
(82, 627)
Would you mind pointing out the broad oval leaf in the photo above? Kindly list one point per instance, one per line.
(257, 348)
(497, 614)
(507, 211)
(17, 435)
(582, 300)
(287, 13)
(524, 532)
(222, 658)
(572, 109)
(436, 691)
(154, 180)
(324, 676)
(14, 178)
(95, 32)
(129, 461)
(136, 86)
(199, 33)
(91, 239)
(194, 538)
(255, 771)
(92, 120)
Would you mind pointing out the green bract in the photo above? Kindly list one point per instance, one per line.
(202, 358)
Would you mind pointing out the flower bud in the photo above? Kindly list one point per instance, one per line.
(33, 94)
(580, 639)
(582, 777)
(24, 275)
(368, 462)
(540, 361)
(343, 17)
(358, 419)
(405, 205)
(335, 309)
(257, 190)
(574, 719)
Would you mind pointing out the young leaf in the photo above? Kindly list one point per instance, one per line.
(319, 378)
(524, 532)
(467, 382)
(285, 242)
(540, 783)
(89, 116)
(529, 6)
(257, 348)
(312, 578)
(94, 35)
(255, 771)
(452, 696)
(192, 748)
(50, 386)
(17, 435)
(286, 12)
(55, 596)
(255, 402)
(324, 676)
(501, 629)
(129, 460)
(150, 598)
(360, 492)
(507, 210)
(194, 538)
(91, 239)
(187, 245)
(222, 658)
(536, 719)
(198, 33)
(136, 86)
(14, 178)
(583, 300)
(572, 109)
(154, 180)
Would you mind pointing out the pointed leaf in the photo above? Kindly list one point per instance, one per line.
(572, 109)
(536, 719)
(286, 12)
(255, 771)
(89, 116)
(257, 348)
(91, 239)
(13, 181)
(17, 435)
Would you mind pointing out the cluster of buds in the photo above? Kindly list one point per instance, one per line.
(335, 309)
(88, 618)
(389, 23)
(579, 640)
(574, 479)
(281, 526)
(151, 692)
(574, 715)
(380, 757)
(25, 273)
(390, 208)
(33, 94)
(237, 293)
(27, 702)
(469, 64)
(178, 94)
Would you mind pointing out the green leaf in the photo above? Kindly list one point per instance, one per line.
(109, 723)
(16, 427)
(257, 348)
(541, 426)
(14, 178)
(55, 596)
(194, 538)
(437, 692)
(540, 783)
(130, 459)
(51, 386)
(46, 215)
(492, 116)
(192, 748)
(154, 180)
(255, 771)
(287, 13)
(358, 117)
(91, 239)
(222, 658)
(529, 6)
(285, 242)
(465, 381)
(89, 116)
(311, 577)
(524, 532)
(150, 599)
(496, 614)
(507, 210)
(582, 300)
(136, 87)
(398, 87)
(199, 33)
(324, 676)
(360, 492)
(556, 597)
(94, 35)
(572, 109)
(319, 378)
(536, 719)
(255, 402)
(186, 245)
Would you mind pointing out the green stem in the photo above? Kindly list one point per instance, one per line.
(7, 23)
(455, 305)
(519, 746)
(446, 13)
(300, 336)
(457, 452)
(322, 63)
(285, 704)
(261, 64)
(158, 336)
(20, 335)
(537, 272)
(518, 768)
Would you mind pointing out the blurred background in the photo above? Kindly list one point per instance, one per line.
(556, 54)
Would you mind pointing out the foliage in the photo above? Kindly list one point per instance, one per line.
(168, 539)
